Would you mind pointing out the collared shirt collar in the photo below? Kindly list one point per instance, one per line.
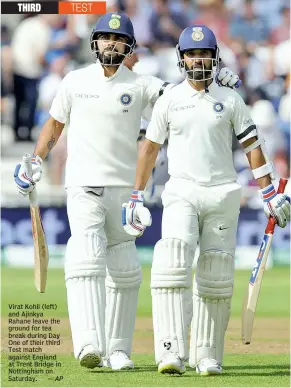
(108, 79)
(193, 92)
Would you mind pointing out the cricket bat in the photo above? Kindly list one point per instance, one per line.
(252, 295)
(39, 241)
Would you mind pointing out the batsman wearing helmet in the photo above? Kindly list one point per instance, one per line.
(101, 106)
(201, 203)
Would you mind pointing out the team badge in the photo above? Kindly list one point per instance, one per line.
(125, 99)
(114, 22)
(197, 34)
(218, 107)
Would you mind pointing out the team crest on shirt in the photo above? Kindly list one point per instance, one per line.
(197, 34)
(126, 99)
(218, 107)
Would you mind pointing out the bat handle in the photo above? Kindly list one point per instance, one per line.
(271, 223)
(28, 170)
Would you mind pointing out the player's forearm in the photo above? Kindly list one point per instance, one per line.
(146, 161)
(257, 159)
(48, 137)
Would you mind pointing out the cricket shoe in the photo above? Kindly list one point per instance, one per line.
(90, 357)
(208, 366)
(119, 360)
(171, 364)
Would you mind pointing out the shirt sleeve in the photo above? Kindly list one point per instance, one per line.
(61, 105)
(158, 126)
(243, 124)
(154, 88)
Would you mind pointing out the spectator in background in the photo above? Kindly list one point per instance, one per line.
(284, 114)
(166, 25)
(208, 11)
(269, 10)
(29, 45)
(61, 42)
(264, 115)
(48, 88)
(248, 27)
(187, 7)
(6, 69)
(282, 31)
(139, 14)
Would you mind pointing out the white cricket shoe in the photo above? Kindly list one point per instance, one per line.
(119, 360)
(208, 366)
(171, 364)
(90, 357)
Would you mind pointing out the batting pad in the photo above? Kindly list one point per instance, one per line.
(212, 293)
(123, 280)
(170, 284)
(85, 282)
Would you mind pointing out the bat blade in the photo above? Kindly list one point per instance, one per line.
(252, 295)
(251, 298)
(41, 256)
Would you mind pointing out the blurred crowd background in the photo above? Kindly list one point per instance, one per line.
(37, 51)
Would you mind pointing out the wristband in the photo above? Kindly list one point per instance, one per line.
(268, 193)
(137, 196)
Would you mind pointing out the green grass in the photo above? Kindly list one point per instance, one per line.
(241, 369)
(18, 288)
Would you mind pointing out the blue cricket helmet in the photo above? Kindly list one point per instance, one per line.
(197, 37)
(113, 23)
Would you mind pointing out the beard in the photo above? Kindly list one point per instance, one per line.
(109, 57)
(199, 74)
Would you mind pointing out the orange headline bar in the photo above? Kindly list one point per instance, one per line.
(80, 7)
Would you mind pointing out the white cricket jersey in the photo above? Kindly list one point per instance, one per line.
(103, 120)
(200, 127)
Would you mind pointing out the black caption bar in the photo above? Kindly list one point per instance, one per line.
(44, 7)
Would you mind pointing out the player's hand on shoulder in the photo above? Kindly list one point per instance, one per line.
(25, 183)
(135, 217)
(226, 77)
(276, 205)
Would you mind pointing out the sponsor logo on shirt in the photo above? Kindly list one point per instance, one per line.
(84, 95)
(182, 108)
(248, 122)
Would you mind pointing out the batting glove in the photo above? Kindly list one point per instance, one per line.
(276, 205)
(226, 77)
(25, 183)
(135, 217)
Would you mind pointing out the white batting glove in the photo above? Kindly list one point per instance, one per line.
(226, 77)
(135, 217)
(25, 183)
(276, 205)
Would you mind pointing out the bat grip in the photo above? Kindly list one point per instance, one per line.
(28, 170)
(272, 222)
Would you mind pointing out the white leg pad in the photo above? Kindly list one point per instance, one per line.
(123, 280)
(212, 293)
(170, 283)
(85, 282)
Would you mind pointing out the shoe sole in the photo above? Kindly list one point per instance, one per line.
(171, 370)
(91, 361)
(125, 367)
(210, 373)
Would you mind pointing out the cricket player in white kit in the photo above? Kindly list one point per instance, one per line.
(101, 105)
(201, 203)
